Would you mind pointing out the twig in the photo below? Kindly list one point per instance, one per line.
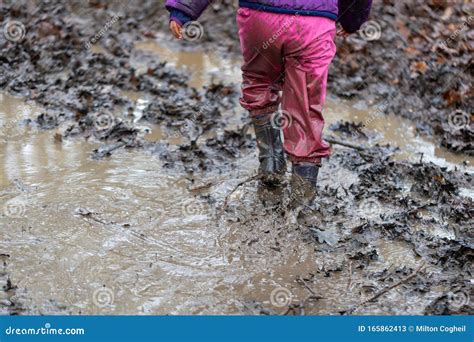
(91, 215)
(386, 289)
(201, 187)
(388, 273)
(247, 180)
(361, 150)
(421, 34)
(305, 285)
(345, 144)
(86, 215)
(404, 280)
(301, 306)
(288, 310)
(349, 285)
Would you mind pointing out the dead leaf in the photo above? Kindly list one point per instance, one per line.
(419, 66)
(452, 97)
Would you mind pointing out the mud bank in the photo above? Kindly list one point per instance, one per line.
(116, 172)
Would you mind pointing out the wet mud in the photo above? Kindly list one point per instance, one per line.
(127, 181)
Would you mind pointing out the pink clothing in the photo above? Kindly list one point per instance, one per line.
(292, 54)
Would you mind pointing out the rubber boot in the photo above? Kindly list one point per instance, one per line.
(271, 155)
(303, 184)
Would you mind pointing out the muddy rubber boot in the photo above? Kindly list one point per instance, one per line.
(271, 155)
(302, 208)
(303, 184)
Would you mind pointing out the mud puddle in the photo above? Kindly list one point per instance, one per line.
(124, 235)
(201, 66)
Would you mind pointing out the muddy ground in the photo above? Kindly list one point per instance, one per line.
(178, 225)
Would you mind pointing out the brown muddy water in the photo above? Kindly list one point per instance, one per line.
(125, 236)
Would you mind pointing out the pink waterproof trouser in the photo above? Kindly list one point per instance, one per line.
(292, 54)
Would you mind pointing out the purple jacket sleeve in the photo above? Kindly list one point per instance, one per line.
(192, 8)
(353, 13)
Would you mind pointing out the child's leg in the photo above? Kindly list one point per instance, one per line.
(262, 73)
(262, 70)
(308, 51)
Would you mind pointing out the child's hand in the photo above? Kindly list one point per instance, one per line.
(176, 29)
(343, 33)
